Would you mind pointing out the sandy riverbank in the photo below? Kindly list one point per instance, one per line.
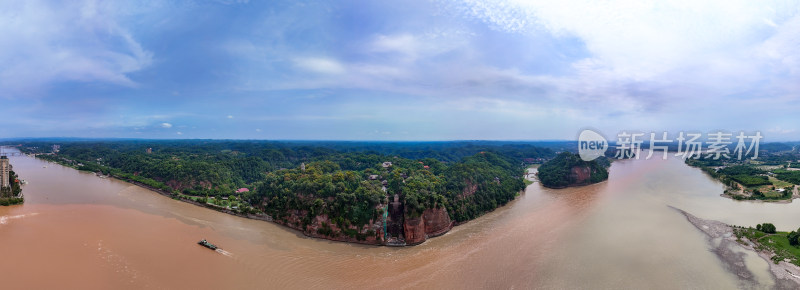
(786, 275)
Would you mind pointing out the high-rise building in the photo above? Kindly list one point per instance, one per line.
(5, 167)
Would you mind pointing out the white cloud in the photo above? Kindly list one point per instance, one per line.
(655, 62)
(320, 65)
(648, 55)
(230, 116)
(414, 47)
(166, 125)
(179, 133)
(643, 39)
(50, 42)
(405, 43)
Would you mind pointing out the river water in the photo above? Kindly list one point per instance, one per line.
(77, 230)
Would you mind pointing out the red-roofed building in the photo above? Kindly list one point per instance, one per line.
(240, 190)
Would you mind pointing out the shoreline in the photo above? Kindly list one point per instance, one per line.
(795, 195)
(781, 201)
(268, 218)
(260, 217)
(785, 275)
(574, 185)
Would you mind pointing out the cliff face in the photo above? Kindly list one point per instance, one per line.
(321, 227)
(414, 230)
(433, 222)
(581, 174)
(437, 221)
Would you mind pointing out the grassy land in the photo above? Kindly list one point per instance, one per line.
(779, 183)
(772, 194)
(777, 243)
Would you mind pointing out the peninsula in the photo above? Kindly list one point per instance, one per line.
(772, 178)
(369, 193)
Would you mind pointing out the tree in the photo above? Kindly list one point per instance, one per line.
(558, 172)
(767, 228)
(794, 238)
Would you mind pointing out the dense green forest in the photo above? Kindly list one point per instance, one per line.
(746, 175)
(347, 181)
(559, 172)
(788, 176)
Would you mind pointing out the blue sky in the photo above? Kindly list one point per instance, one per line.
(404, 70)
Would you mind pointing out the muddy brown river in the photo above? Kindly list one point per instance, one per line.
(77, 230)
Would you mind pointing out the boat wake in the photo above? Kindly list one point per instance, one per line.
(224, 252)
(4, 219)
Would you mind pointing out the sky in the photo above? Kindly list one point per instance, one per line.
(397, 70)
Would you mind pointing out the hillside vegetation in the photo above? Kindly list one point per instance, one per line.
(568, 169)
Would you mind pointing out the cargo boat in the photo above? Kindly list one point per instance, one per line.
(206, 244)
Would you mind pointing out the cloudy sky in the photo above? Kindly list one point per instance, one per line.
(405, 70)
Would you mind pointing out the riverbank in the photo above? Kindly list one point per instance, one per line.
(292, 224)
(178, 197)
(786, 275)
(774, 191)
(260, 217)
(778, 201)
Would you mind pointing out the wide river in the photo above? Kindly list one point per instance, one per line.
(77, 230)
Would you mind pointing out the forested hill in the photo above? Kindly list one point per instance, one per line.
(567, 169)
(347, 183)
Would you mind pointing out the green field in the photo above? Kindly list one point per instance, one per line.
(777, 243)
(750, 180)
(772, 194)
(779, 183)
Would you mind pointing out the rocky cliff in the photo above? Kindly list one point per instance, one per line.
(321, 227)
(437, 221)
(414, 230)
(432, 222)
(581, 174)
